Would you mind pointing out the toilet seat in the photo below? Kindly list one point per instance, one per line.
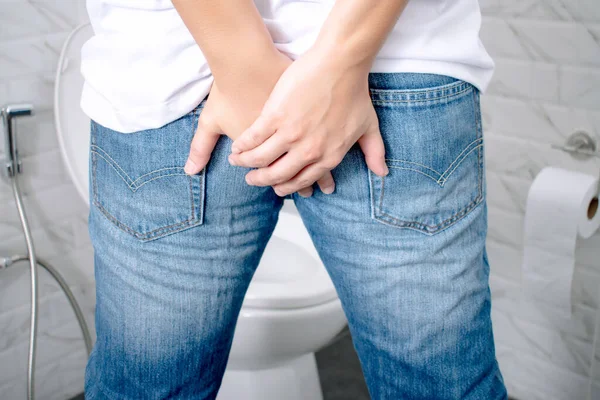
(72, 125)
(299, 281)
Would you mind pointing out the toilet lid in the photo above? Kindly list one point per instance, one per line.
(290, 273)
(72, 125)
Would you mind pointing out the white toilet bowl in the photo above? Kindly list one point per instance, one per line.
(291, 308)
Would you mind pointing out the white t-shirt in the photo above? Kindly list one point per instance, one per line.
(143, 69)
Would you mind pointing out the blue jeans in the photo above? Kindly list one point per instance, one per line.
(174, 254)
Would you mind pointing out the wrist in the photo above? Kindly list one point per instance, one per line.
(341, 60)
(250, 71)
(342, 54)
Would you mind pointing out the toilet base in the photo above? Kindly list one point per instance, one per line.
(295, 380)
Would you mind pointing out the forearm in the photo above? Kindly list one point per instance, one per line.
(355, 30)
(230, 33)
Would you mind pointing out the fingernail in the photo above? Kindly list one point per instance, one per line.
(190, 167)
(249, 180)
(386, 171)
(231, 160)
(328, 190)
(235, 149)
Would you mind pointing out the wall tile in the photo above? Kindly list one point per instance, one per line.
(20, 18)
(543, 343)
(544, 378)
(26, 58)
(560, 10)
(580, 87)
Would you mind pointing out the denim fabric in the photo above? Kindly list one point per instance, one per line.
(174, 254)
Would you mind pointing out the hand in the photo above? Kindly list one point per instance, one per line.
(231, 112)
(316, 112)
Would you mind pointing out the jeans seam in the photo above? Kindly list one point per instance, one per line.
(480, 148)
(432, 100)
(436, 180)
(443, 178)
(415, 163)
(120, 171)
(438, 91)
(152, 172)
(144, 236)
(431, 229)
(134, 189)
(132, 186)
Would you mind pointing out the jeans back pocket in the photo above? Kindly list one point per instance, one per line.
(137, 179)
(434, 151)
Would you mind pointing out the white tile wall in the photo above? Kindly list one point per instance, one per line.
(547, 85)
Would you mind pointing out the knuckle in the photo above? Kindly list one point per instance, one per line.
(276, 178)
(196, 149)
(294, 135)
(312, 154)
(303, 183)
(330, 163)
(326, 180)
(273, 117)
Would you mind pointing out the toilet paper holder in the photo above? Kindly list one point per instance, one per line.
(581, 145)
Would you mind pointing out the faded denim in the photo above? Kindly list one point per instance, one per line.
(174, 254)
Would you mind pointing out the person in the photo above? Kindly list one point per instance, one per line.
(206, 114)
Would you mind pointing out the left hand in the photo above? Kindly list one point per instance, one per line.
(318, 109)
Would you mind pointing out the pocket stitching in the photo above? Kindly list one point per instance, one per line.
(443, 177)
(415, 163)
(156, 232)
(179, 226)
(152, 172)
(459, 93)
(135, 189)
(436, 180)
(462, 157)
(430, 230)
(131, 184)
(150, 234)
(110, 161)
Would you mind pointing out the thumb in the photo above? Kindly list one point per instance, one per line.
(203, 144)
(372, 146)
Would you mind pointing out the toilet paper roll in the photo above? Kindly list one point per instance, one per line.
(561, 206)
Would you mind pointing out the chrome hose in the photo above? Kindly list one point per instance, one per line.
(33, 263)
(85, 332)
(34, 289)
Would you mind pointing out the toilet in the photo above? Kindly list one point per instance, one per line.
(291, 309)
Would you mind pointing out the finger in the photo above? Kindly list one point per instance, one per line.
(282, 170)
(263, 155)
(372, 146)
(326, 183)
(254, 136)
(306, 177)
(202, 145)
(306, 192)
